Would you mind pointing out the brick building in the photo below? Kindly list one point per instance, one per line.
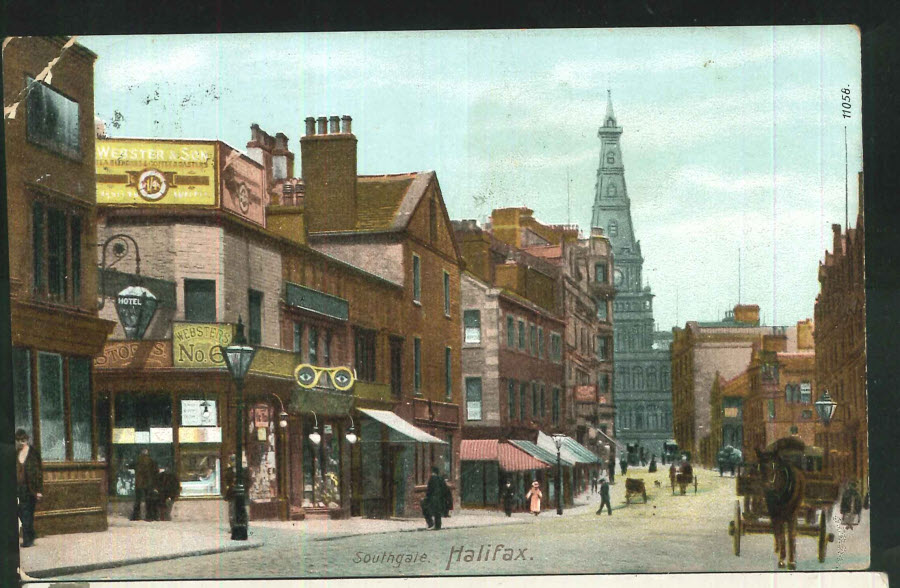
(48, 83)
(727, 411)
(841, 351)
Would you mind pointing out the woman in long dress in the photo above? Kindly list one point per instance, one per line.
(535, 495)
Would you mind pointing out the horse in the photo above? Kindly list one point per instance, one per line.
(783, 489)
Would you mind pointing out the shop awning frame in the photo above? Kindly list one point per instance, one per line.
(404, 428)
(541, 453)
(509, 457)
(571, 449)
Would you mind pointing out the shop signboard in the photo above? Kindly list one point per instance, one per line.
(242, 185)
(135, 355)
(153, 172)
(274, 362)
(196, 345)
(198, 413)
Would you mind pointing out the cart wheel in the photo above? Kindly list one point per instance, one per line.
(735, 528)
(823, 537)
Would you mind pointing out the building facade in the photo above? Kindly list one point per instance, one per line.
(840, 317)
(56, 330)
(642, 377)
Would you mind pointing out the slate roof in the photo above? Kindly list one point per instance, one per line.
(386, 203)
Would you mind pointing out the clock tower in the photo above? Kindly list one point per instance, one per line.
(642, 388)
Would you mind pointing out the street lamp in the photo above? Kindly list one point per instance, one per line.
(351, 434)
(558, 441)
(315, 437)
(238, 357)
(825, 407)
(135, 305)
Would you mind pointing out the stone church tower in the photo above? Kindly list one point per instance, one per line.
(642, 384)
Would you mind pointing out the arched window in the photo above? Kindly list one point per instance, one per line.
(639, 417)
(638, 378)
(651, 378)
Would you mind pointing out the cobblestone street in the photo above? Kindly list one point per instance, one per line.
(684, 533)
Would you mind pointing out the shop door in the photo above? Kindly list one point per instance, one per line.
(295, 457)
(398, 480)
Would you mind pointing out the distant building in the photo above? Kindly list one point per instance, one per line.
(642, 378)
(840, 316)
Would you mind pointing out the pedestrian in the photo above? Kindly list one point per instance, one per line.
(169, 490)
(851, 506)
(672, 475)
(29, 484)
(535, 495)
(508, 496)
(623, 464)
(604, 498)
(145, 472)
(652, 467)
(611, 469)
(593, 482)
(435, 502)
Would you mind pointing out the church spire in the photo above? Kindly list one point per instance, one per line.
(610, 117)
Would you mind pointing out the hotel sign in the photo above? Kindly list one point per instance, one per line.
(136, 171)
(196, 345)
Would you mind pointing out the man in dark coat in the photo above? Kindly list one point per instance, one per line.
(604, 498)
(611, 470)
(434, 505)
(29, 484)
(145, 471)
(508, 496)
(623, 464)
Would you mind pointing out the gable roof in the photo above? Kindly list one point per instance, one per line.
(380, 198)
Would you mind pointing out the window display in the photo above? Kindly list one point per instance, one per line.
(200, 470)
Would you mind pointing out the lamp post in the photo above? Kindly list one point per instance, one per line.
(135, 305)
(238, 357)
(825, 407)
(558, 441)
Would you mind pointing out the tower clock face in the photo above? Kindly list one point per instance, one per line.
(617, 277)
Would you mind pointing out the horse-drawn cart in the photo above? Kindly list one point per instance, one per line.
(819, 494)
(633, 487)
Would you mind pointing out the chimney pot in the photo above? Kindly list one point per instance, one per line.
(323, 125)
(310, 125)
(345, 124)
(281, 142)
(334, 124)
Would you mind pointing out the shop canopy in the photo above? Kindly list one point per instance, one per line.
(509, 457)
(398, 425)
(571, 449)
(541, 453)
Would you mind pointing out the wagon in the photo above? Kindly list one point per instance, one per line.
(815, 510)
(634, 486)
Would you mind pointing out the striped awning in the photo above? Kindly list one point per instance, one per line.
(509, 457)
(571, 449)
(540, 453)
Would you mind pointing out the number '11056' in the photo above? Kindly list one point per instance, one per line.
(845, 102)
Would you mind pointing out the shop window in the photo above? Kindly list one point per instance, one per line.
(21, 382)
(473, 399)
(200, 470)
(56, 253)
(540, 338)
(52, 410)
(510, 332)
(555, 411)
(365, 354)
(312, 340)
(321, 468)
(472, 325)
(448, 373)
(200, 301)
(143, 421)
(255, 319)
(52, 119)
(396, 344)
(80, 408)
(417, 366)
(446, 294)
(511, 397)
(417, 278)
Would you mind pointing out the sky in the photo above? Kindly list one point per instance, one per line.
(733, 141)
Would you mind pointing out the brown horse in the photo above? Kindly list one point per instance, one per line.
(783, 488)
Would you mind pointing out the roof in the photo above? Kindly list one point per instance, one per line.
(509, 457)
(540, 453)
(400, 426)
(379, 199)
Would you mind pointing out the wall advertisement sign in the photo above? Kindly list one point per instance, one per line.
(196, 345)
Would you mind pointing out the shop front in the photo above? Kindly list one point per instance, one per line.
(488, 464)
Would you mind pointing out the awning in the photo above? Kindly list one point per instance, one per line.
(619, 445)
(509, 457)
(571, 449)
(400, 426)
(541, 453)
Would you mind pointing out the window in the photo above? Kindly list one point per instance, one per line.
(255, 323)
(510, 332)
(80, 417)
(603, 386)
(805, 393)
(806, 415)
(794, 430)
(540, 337)
(417, 279)
(472, 325)
(602, 311)
(446, 294)
(64, 435)
(417, 365)
(52, 411)
(555, 412)
(448, 373)
(521, 334)
(613, 228)
(364, 347)
(602, 348)
(555, 347)
(298, 338)
(473, 399)
(543, 404)
(52, 120)
(396, 344)
(312, 342)
(200, 301)
(535, 411)
(21, 382)
(326, 348)
(523, 399)
(511, 397)
(771, 409)
(533, 332)
(600, 273)
(56, 253)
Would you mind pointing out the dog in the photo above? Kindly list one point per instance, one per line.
(657, 483)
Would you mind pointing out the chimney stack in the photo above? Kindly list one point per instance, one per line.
(334, 124)
(323, 125)
(837, 246)
(282, 158)
(310, 125)
(328, 166)
(345, 126)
